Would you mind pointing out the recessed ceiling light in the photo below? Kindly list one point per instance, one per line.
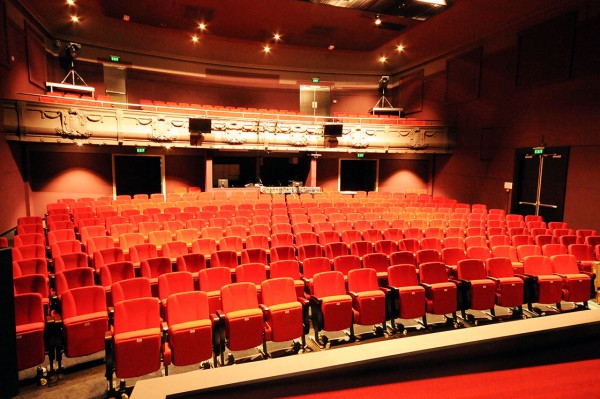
(74, 18)
(378, 21)
(125, 17)
(382, 59)
(202, 26)
(399, 48)
(267, 48)
(195, 39)
(434, 2)
(277, 37)
(331, 47)
(71, 2)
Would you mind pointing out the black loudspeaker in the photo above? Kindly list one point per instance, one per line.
(333, 129)
(200, 125)
(9, 382)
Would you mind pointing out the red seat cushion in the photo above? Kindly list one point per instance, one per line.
(369, 308)
(411, 302)
(337, 312)
(137, 353)
(244, 328)
(85, 334)
(191, 342)
(550, 289)
(441, 299)
(482, 294)
(509, 291)
(286, 321)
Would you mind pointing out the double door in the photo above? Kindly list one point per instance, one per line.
(540, 182)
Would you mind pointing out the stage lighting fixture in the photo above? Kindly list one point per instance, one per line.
(383, 83)
(378, 20)
(73, 50)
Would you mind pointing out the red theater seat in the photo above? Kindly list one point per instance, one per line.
(191, 328)
(85, 320)
(547, 286)
(331, 306)
(286, 314)
(480, 291)
(406, 298)
(242, 318)
(136, 346)
(441, 293)
(368, 301)
(30, 324)
(510, 290)
(577, 285)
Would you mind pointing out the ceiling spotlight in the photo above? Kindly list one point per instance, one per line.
(383, 59)
(125, 17)
(399, 48)
(277, 37)
(434, 2)
(71, 2)
(195, 39)
(202, 26)
(74, 18)
(331, 47)
(378, 20)
(267, 49)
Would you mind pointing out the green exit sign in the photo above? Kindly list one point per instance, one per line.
(315, 80)
(140, 150)
(115, 58)
(360, 155)
(538, 151)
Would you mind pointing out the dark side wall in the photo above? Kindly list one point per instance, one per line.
(521, 93)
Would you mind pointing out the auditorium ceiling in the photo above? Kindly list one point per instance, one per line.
(330, 28)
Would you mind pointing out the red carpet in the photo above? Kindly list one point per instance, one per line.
(564, 380)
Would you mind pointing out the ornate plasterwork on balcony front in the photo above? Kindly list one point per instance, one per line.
(33, 121)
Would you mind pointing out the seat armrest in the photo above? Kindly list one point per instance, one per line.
(303, 301)
(315, 301)
(525, 276)
(561, 275)
(353, 295)
(425, 285)
(265, 310)
(305, 279)
(494, 279)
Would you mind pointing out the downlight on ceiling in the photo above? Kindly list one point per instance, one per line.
(434, 2)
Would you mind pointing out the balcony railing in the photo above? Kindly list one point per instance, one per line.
(109, 123)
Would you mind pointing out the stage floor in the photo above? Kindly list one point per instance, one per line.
(500, 340)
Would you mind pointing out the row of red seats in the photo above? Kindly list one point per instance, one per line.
(57, 97)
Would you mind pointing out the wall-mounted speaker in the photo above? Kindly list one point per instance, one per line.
(200, 125)
(333, 129)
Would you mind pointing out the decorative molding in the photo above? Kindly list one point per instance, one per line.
(73, 124)
(161, 129)
(36, 121)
